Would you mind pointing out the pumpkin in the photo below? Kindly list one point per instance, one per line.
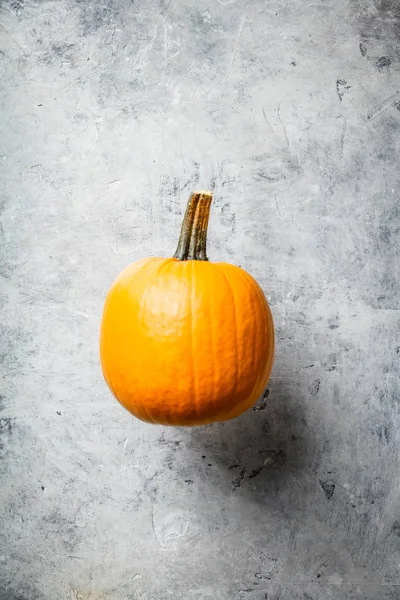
(185, 341)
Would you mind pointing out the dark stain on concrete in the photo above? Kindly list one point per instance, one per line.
(236, 483)
(383, 62)
(334, 322)
(342, 88)
(6, 430)
(396, 528)
(95, 16)
(262, 405)
(384, 434)
(10, 590)
(379, 21)
(314, 387)
(328, 487)
(17, 6)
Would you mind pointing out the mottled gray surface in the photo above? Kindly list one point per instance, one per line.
(111, 112)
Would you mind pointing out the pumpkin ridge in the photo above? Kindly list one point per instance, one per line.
(256, 308)
(269, 323)
(272, 353)
(213, 346)
(192, 336)
(228, 285)
(143, 304)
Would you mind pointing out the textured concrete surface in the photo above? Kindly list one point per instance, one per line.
(111, 113)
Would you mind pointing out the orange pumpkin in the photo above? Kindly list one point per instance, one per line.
(185, 341)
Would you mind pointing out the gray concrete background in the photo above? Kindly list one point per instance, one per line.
(111, 113)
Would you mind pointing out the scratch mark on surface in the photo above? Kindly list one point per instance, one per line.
(185, 185)
(123, 467)
(342, 137)
(165, 44)
(81, 80)
(267, 122)
(275, 455)
(283, 126)
(12, 372)
(11, 37)
(112, 44)
(113, 248)
(193, 6)
(173, 6)
(267, 177)
(295, 223)
(174, 536)
(384, 107)
(153, 526)
(168, 536)
(192, 64)
(277, 206)
(83, 314)
(235, 48)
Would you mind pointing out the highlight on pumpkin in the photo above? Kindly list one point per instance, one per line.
(185, 341)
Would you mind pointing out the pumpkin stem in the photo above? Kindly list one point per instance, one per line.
(192, 243)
